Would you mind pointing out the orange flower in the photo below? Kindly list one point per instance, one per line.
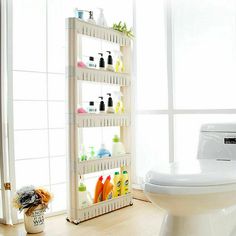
(45, 196)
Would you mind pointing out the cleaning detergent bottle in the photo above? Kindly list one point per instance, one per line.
(98, 191)
(103, 152)
(124, 183)
(85, 198)
(117, 147)
(117, 184)
(110, 108)
(107, 189)
(119, 66)
(119, 108)
(102, 106)
(101, 62)
(110, 62)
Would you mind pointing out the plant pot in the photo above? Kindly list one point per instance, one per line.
(34, 223)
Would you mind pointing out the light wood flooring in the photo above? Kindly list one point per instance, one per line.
(141, 219)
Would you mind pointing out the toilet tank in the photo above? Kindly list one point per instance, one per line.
(217, 141)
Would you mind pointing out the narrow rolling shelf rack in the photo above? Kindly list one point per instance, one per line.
(75, 76)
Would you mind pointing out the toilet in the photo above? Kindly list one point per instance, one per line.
(199, 197)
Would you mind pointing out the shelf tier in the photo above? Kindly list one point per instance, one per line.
(102, 120)
(103, 208)
(101, 164)
(97, 31)
(102, 76)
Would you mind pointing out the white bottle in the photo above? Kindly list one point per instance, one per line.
(84, 197)
(117, 147)
(101, 19)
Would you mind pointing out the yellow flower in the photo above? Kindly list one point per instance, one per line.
(45, 196)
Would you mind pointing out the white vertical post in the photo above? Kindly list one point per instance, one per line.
(126, 131)
(169, 49)
(72, 127)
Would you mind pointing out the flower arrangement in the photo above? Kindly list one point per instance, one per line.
(122, 27)
(30, 197)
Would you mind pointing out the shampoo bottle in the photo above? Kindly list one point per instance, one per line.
(110, 62)
(101, 106)
(110, 108)
(101, 62)
(98, 190)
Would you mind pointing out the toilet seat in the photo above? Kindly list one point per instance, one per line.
(195, 177)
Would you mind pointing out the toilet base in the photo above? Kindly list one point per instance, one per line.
(218, 223)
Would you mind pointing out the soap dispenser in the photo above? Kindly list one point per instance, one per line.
(101, 62)
(102, 106)
(90, 19)
(110, 62)
(110, 108)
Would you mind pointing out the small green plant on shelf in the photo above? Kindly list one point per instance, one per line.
(122, 27)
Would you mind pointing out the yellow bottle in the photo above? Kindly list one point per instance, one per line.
(117, 183)
(124, 183)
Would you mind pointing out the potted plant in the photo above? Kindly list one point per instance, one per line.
(34, 202)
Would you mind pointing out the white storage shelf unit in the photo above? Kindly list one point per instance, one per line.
(75, 29)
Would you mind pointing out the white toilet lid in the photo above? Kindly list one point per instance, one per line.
(194, 173)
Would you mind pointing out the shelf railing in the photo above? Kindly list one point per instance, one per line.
(103, 76)
(101, 164)
(104, 207)
(97, 31)
(102, 120)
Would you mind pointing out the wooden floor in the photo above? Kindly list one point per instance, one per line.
(141, 219)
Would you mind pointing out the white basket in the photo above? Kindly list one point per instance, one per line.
(97, 31)
(101, 164)
(101, 120)
(103, 207)
(108, 77)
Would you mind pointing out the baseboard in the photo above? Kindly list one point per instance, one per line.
(139, 195)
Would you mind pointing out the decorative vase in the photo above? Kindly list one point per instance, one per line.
(34, 223)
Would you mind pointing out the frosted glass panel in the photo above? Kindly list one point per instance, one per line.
(92, 137)
(151, 142)
(30, 115)
(31, 144)
(29, 35)
(29, 86)
(151, 56)
(32, 172)
(58, 11)
(56, 87)
(204, 53)
(59, 200)
(187, 129)
(58, 169)
(57, 140)
(57, 114)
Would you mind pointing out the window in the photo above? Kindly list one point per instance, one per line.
(186, 60)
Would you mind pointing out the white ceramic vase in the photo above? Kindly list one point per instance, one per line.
(34, 223)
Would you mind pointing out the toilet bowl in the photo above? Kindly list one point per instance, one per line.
(199, 196)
